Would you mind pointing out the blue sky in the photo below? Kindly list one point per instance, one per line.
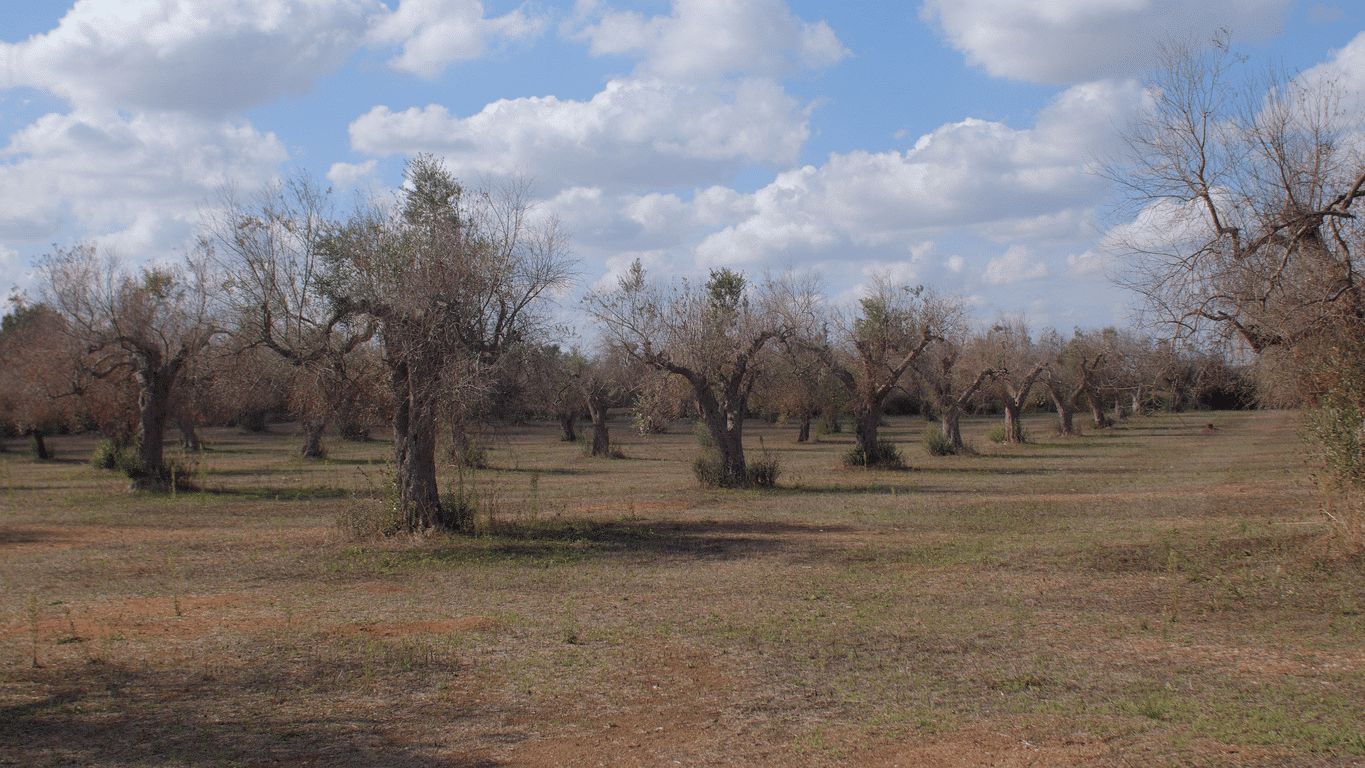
(943, 142)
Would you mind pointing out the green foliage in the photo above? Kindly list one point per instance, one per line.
(997, 434)
(725, 291)
(886, 456)
(109, 456)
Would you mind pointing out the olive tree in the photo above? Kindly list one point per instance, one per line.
(871, 349)
(271, 243)
(453, 278)
(1008, 349)
(711, 336)
(150, 322)
(1242, 194)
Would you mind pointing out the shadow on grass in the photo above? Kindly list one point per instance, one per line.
(102, 713)
(277, 493)
(566, 542)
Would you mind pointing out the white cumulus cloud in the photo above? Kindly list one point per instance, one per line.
(635, 132)
(1071, 41)
(208, 57)
(435, 33)
(714, 38)
(1016, 265)
(143, 175)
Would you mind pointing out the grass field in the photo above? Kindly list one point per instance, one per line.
(1155, 594)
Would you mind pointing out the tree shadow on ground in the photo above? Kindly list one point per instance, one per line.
(568, 541)
(103, 713)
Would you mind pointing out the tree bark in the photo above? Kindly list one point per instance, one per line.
(414, 441)
(601, 436)
(803, 434)
(155, 381)
(189, 438)
(568, 431)
(40, 450)
(313, 427)
(865, 423)
(1066, 409)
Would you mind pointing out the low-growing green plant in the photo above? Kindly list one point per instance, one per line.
(886, 456)
(108, 455)
(997, 434)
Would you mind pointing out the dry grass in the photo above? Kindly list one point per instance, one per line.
(1149, 595)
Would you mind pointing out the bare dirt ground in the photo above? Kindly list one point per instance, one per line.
(1157, 594)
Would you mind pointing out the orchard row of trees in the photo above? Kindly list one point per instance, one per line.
(433, 313)
(435, 309)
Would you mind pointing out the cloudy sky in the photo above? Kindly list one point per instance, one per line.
(944, 141)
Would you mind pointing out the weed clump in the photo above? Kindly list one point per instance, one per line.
(174, 475)
(886, 456)
(374, 513)
(935, 444)
(762, 472)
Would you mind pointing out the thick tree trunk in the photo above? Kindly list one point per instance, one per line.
(189, 438)
(601, 436)
(313, 427)
(568, 431)
(414, 444)
(154, 410)
(40, 450)
(803, 434)
(865, 424)
(727, 432)
(1096, 408)
(950, 423)
(1014, 426)
(1065, 418)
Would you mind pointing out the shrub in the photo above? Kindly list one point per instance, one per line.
(764, 470)
(935, 444)
(708, 470)
(374, 513)
(108, 455)
(997, 434)
(886, 456)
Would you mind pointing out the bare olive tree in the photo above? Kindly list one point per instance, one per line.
(1241, 192)
(953, 374)
(870, 350)
(1008, 349)
(710, 336)
(271, 246)
(151, 322)
(453, 279)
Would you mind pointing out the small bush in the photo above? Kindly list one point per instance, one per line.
(703, 435)
(997, 434)
(708, 470)
(935, 444)
(886, 456)
(764, 470)
(374, 513)
(107, 455)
